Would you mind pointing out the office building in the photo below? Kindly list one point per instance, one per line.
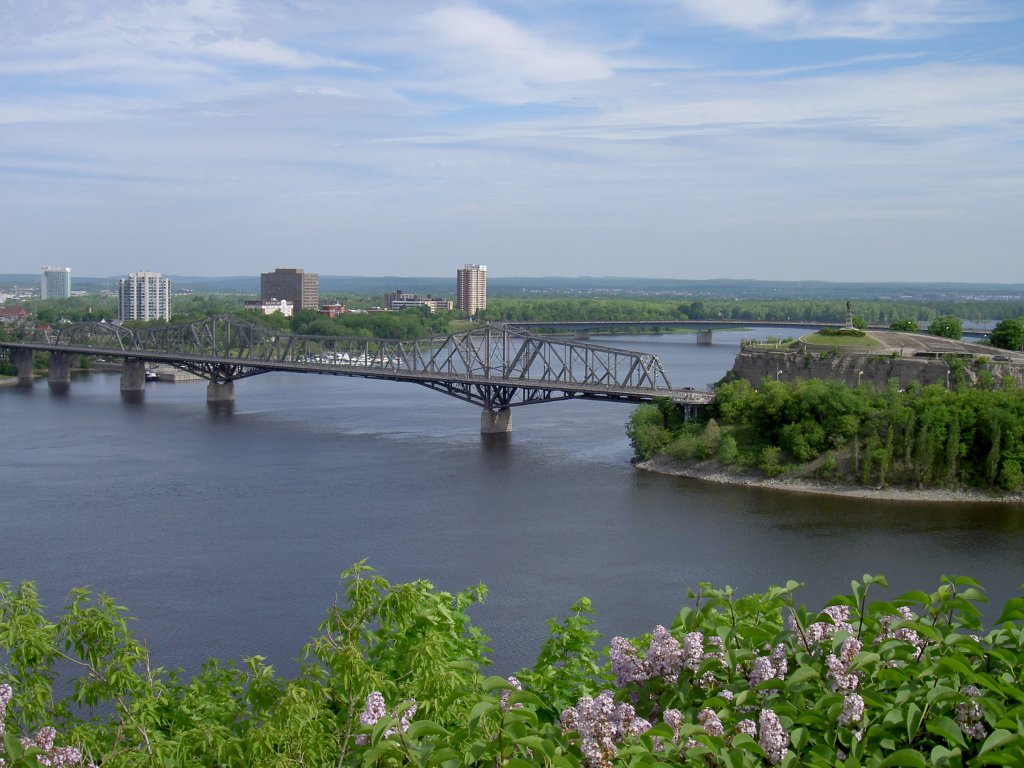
(299, 287)
(144, 296)
(471, 288)
(55, 283)
(397, 300)
(269, 307)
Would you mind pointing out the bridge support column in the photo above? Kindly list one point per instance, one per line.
(59, 372)
(581, 335)
(133, 376)
(495, 422)
(704, 338)
(23, 361)
(218, 392)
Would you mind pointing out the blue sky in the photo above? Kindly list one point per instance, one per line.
(767, 139)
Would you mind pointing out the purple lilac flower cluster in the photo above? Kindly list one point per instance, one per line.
(846, 681)
(969, 714)
(842, 678)
(886, 632)
(771, 667)
(772, 736)
(822, 630)
(376, 708)
(665, 658)
(601, 725)
(517, 686)
(51, 757)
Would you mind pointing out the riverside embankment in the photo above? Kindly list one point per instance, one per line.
(714, 472)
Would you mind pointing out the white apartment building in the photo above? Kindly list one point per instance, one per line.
(471, 288)
(55, 283)
(144, 296)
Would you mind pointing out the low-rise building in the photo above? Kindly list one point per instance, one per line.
(397, 300)
(333, 310)
(12, 314)
(270, 306)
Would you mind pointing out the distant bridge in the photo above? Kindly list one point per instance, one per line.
(704, 328)
(495, 367)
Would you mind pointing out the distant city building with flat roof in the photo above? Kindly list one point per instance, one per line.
(55, 283)
(270, 306)
(144, 296)
(397, 300)
(471, 288)
(299, 287)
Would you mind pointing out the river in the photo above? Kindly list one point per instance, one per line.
(225, 534)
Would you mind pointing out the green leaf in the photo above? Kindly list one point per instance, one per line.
(908, 757)
(1012, 611)
(526, 697)
(494, 681)
(379, 727)
(532, 741)
(420, 728)
(948, 729)
(800, 675)
(479, 710)
(956, 666)
(998, 738)
(914, 715)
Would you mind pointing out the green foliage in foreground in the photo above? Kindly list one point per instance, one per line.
(394, 677)
(927, 436)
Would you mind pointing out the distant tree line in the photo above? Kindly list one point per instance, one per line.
(794, 310)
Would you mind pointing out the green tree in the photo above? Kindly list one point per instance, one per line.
(946, 326)
(728, 451)
(1008, 334)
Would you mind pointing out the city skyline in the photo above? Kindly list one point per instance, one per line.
(750, 139)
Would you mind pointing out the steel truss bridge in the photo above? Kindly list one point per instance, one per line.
(494, 366)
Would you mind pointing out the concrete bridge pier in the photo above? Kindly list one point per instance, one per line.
(59, 372)
(581, 335)
(23, 361)
(495, 422)
(220, 392)
(133, 376)
(704, 338)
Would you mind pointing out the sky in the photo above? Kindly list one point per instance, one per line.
(845, 140)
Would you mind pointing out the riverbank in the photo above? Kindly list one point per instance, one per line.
(713, 472)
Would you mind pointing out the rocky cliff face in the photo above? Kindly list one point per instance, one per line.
(856, 367)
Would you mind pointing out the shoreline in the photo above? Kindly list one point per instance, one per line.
(713, 472)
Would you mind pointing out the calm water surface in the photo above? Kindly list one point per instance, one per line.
(225, 534)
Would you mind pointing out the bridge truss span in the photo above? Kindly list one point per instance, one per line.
(493, 366)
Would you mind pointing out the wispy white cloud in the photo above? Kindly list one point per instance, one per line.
(476, 52)
(270, 53)
(874, 19)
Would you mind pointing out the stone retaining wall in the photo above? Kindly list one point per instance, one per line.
(859, 367)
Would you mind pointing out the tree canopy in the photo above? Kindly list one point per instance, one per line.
(1009, 334)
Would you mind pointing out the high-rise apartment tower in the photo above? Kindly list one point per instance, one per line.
(299, 287)
(55, 283)
(144, 296)
(471, 288)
